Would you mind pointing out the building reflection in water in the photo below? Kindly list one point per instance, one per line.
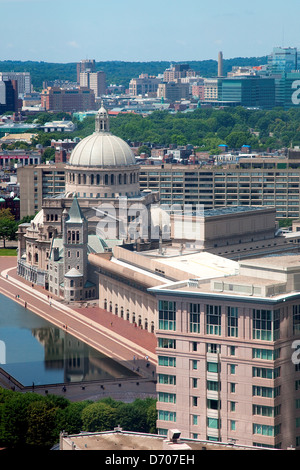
(78, 361)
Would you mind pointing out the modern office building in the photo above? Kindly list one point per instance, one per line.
(283, 60)
(226, 369)
(248, 91)
(8, 96)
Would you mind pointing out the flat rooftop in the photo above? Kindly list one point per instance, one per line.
(202, 265)
(122, 441)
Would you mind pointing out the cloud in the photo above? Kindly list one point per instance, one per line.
(73, 44)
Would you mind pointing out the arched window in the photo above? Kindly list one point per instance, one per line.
(112, 179)
(92, 179)
(98, 179)
(79, 179)
(120, 179)
(106, 179)
(125, 179)
(84, 178)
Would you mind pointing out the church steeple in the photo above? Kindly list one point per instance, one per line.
(102, 120)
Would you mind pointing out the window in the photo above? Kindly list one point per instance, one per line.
(265, 410)
(266, 392)
(266, 324)
(167, 415)
(194, 382)
(213, 367)
(265, 354)
(194, 318)
(213, 386)
(167, 315)
(296, 319)
(166, 361)
(166, 343)
(266, 430)
(265, 373)
(167, 379)
(167, 397)
(213, 423)
(232, 321)
(213, 319)
(213, 404)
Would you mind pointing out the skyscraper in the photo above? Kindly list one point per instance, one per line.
(96, 81)
(84, 66)
(283, 60)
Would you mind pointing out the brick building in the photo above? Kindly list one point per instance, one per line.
(76, 99)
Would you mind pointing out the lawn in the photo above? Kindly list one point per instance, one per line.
(8, 252)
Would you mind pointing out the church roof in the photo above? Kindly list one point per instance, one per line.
(75, 214)
(102, 148)
(73, 273)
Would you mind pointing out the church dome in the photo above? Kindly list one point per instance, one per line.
(102, 149)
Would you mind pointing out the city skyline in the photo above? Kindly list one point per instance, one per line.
(133, 31)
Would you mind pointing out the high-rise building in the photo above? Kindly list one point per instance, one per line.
(96, 81)
(8, 96)
(227, 368)
(23, 81)
(85, 66)
(283, 60)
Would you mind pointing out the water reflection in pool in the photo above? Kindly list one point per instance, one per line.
(32, 350)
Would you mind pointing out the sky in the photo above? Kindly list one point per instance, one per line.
(64, 31)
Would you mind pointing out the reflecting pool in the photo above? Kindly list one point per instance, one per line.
(32, 350)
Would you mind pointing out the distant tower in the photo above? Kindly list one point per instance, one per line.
(220, 64)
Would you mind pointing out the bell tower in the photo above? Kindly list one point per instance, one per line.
(75, 239)
(102, 120)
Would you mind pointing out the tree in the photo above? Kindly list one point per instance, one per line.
(41, 421)
(99, 417)
(8, 226)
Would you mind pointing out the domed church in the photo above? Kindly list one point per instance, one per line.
(99, 209)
